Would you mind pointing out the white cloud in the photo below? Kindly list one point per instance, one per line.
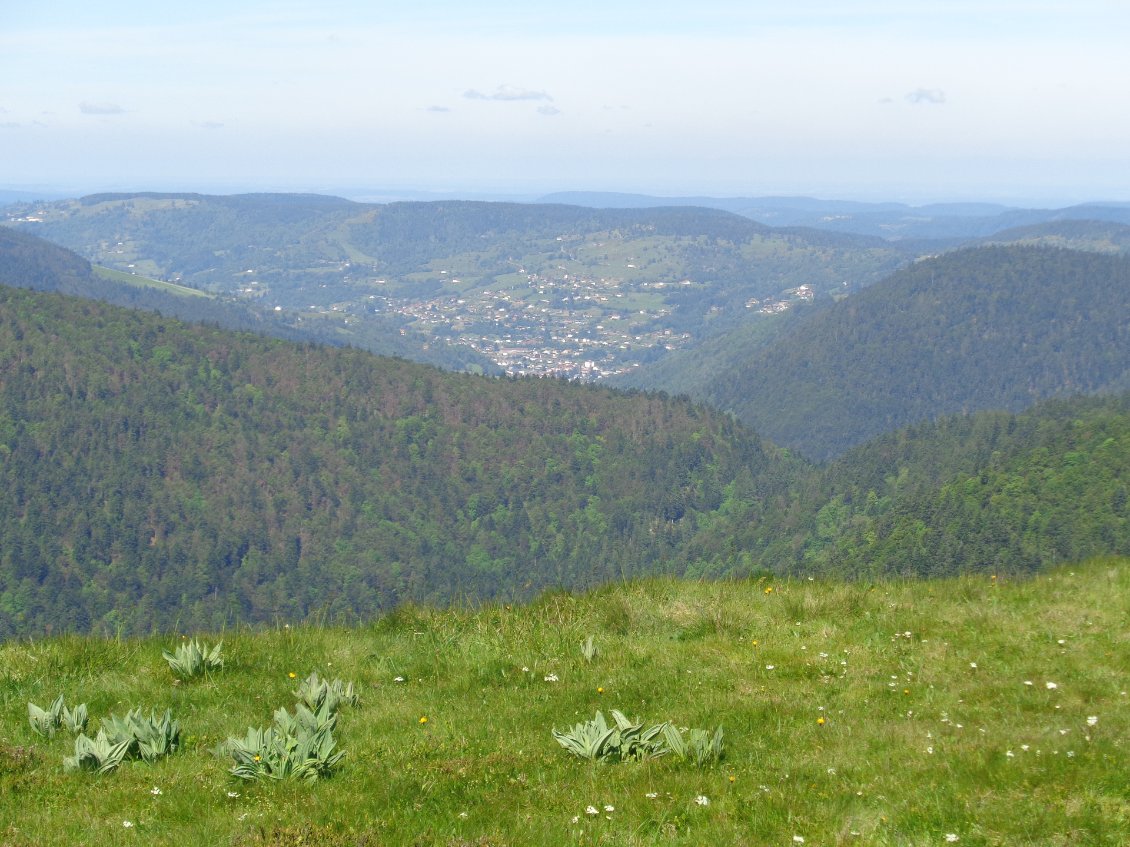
(934, 96)
(506, 93)
(100, 108)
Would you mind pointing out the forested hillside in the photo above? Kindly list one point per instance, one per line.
(993, 492)
(991, 328)
(153, 472)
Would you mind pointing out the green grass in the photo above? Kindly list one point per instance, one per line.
(139, 281)
(1011, 763)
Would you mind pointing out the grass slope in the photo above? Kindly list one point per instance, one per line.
(145, 282)
(940, 721)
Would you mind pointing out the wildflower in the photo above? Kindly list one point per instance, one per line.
(1070, 754)
(1010, 754)
(820, 721)
(399, 679)
(463, 815)
(651, 795)
(610, 808)
(292, 675)
(127, 824)
(769, 589)
(702, 800)
(156, 792)
(575, 819)
(1027, 682)
(769, 667)
(258, 758)
(973, 665)
(233, 794)
(733, 778)
(1092, 720)
(599, 690)
(951, 837)
(798, 839)
(423, 719)
(551, 677)
(930, 750)
(754, 642)
(1051, 686)
(1024, 747)
(592, 810)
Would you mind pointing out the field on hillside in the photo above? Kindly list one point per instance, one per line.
(976, 711)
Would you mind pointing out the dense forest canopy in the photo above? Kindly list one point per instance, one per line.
(990, 328)
(217, 477)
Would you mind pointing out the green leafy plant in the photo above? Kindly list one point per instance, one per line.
(303, 720)
(75, 719)
(146, 737)
(97, 755)
(699, 746)
(322, 696)
(45, 721)
(192, 659)
(621, 742)
(588, 649)
(291, 751)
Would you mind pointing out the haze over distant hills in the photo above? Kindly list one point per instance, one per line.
(534, 288)
(885, 220)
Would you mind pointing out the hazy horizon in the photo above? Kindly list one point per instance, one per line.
(922, 101)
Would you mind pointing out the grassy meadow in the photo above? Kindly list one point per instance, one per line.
(975, 711)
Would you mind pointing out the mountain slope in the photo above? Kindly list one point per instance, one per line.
(152, 472)
(998, 327)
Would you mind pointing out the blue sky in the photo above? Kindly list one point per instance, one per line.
(915, 100)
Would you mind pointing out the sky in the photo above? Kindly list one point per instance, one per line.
(1016, 101)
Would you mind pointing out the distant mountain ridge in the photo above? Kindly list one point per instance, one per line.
(895, 221)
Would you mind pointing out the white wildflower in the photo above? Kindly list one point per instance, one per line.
(610, 808)
(155, 791)
(1051, 686)
(951, 837)
(592, 810)
(551, 677)
(702, 800)
(1092, 720)
(127, 824)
